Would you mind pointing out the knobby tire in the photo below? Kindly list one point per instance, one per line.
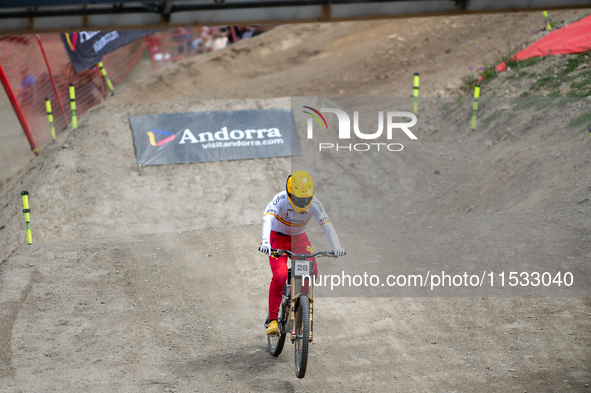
(302, 342)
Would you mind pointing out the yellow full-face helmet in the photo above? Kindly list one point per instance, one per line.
(300, 190)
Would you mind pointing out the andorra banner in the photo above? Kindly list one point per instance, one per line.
(87, 48)
(176, 138)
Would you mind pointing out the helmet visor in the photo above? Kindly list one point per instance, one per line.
(301, 202)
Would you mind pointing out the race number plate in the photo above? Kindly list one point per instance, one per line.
(302, 268)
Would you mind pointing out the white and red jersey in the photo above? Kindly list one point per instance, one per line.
(290, 222)
(280, 217)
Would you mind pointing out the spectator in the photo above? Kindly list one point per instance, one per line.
(183, 37)
(215, 38)
(26, 87)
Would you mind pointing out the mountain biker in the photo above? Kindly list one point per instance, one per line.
(284, 226)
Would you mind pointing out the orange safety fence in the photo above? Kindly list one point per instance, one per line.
(36, 67)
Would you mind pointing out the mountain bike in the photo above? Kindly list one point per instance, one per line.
(297, 308)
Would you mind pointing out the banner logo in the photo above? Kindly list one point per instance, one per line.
(319, 114)
(162, 142)
(72, 41)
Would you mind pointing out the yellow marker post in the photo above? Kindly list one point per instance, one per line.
(415, 94)
(27, 211)
(104, 74)
(73, 106)
(50, 117)
(548, 26)
(475, 105)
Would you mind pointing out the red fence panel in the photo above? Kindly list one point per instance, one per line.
(119, 62)
(36, 67)
(28, 77)
(39, 68)
(86, 83)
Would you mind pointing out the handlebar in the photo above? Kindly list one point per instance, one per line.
(277, 252)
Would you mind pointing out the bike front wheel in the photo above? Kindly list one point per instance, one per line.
(302, 340)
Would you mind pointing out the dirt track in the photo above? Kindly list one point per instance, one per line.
(161, 312)
(148, 279)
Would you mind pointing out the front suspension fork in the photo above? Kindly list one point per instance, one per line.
(292, 320)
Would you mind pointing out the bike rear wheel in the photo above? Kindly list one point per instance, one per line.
(275, 341)
(302, 340)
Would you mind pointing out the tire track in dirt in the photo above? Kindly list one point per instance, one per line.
(10, 311)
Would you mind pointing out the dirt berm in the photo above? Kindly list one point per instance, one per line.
(148, 279)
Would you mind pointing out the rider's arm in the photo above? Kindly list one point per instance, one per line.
(325, 223)
(267, 225)
(331, 233)
(267, 219)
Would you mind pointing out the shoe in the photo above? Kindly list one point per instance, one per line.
(273, 328)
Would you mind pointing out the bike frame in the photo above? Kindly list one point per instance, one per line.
(295, 294)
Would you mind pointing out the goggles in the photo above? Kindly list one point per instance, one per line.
(301, 202)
